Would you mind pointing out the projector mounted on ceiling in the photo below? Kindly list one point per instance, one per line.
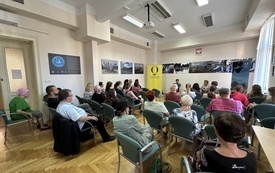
(149, 24)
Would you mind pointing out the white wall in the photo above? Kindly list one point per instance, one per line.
(54, 39)
(121, 52)
(234, 50)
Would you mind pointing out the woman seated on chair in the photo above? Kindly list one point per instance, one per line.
(186, 112)
(129, 125)
(111, 98)
(19, 106)
(89, 91)
(229, 128)
(127, 91)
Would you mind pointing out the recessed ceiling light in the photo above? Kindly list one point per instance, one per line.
(133, 20)
(179, 28)
(202, 2)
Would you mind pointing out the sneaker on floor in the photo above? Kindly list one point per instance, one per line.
(111, 138)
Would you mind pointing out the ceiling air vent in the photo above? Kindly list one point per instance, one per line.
(207, 20)
(160, 9)
(112, 30)
(19, 1)
(158, 34)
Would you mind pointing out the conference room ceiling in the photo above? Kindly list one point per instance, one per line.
(226, 15)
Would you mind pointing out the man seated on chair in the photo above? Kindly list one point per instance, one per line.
(53, 101)
(173, 94)
(225, 103)
(19, 106)
(74, 113)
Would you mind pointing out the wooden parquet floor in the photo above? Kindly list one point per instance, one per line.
(29, 153)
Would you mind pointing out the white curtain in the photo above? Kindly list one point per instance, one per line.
(264, 50)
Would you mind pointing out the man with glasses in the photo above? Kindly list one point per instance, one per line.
(67, 110)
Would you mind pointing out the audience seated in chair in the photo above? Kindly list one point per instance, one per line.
(205, 87)
(173, 94)
(237, 94)
(111, 98)
(19, 106)
(74, 113)
(127, 91)
(225, 103)
(129, 125)
(53, 100)
(98, 95)
(186, 112)
(153, 105)
(229, 128)
(118, 88)
(89, 91)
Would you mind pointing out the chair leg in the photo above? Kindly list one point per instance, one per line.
(118, 163)
(181, 165)
(169, 145)
(259, 151)
(6, 131)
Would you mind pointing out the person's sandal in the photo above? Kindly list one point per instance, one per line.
(45, 128)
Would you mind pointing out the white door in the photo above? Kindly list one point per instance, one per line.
(14, 61)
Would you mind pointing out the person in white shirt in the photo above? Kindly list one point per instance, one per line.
(69, 111)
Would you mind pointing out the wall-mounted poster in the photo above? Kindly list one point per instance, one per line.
(109, 66)
(224, 66)
(168, 68)
(181, 67)
(139, 68)
(64, 64)
(126, 67)
(240, 72)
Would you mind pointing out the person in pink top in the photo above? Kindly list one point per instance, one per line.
(225, 103)
(173, 94)
(239, 95)
(136, 86)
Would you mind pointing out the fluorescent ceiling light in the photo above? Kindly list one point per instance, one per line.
(133, 20)
(202, 2)
(179, 28)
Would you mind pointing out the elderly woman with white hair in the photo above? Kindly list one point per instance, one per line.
(185, 111)
(98, 95)
(19, 107)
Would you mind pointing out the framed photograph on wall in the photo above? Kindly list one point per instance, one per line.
(126, 67)
(138, 68)
(109, 66)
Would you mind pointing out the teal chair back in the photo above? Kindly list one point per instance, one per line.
(97, 108)
(182, 127)
(157, 92)
(201, 113)
(205, 102)
(8, 122)
(153, 118)
(145, 89)
(133, 151)
(198, 97)
(143, 95)
(268, 122)
(257, 100)
(108, 110)
(264, 111)
(210, 132)
(130, 147)
(119, 96)
(80, 99)
(171, 105)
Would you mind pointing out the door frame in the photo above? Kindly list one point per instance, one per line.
(30, 70)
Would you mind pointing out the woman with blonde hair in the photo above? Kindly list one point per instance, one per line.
(88, 91)
(185, 111)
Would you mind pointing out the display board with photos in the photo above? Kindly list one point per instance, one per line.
(223, 66)
(126, 67)
(139, 68)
